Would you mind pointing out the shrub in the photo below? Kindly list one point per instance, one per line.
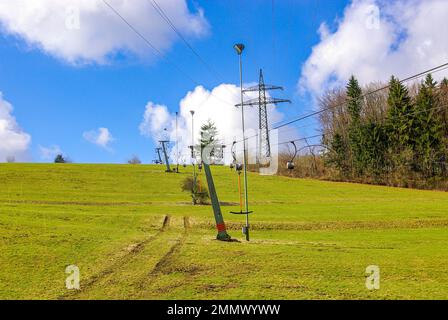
(134, 160)
(10, 159)
(198, 197)
(60, 159)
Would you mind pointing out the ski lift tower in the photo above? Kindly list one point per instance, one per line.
(159, 158)
(164, 144)
(219, 219)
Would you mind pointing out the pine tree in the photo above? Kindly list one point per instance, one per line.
(338, 154)
(354, 93)
(444, 83)
(428, 126)
(443, 103)
(354, 106)
(400, 119)
(208, 139)
(443, 113)
(374, 141)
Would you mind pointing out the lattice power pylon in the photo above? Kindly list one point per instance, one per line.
(264, 144)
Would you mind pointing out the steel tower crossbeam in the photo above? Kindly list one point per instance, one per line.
(264, 149)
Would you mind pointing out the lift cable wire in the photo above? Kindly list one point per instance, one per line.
(289, 141)
(300, 118)
(306, 116)
(164, 16)
(283, 131)
(416, 112)
(436, 69)
(167, 19)
(158, 52)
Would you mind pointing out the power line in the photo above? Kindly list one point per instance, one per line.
(416, 76)
(416, 112)
(300, 118)
(157, 51)
(167, 19)
(282, 132)
(323, 134)
(289, 141)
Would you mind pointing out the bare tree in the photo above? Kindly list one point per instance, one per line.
(10, 159)
(134, 160)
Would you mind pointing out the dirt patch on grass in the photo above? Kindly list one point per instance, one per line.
(217, 287)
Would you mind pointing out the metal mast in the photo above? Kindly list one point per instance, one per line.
(164, 144)
(192, 151)
(239, 49)
(159, 158)
(177, 147)
(264, 143)
(264, 149)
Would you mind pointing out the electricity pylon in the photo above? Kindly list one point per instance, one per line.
(264, 149)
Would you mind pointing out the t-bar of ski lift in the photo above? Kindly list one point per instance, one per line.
(198, 191)
(238, 168)
(232, 151)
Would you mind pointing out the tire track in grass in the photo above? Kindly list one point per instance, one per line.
(133, 250)
(166, 264)
(170, 256)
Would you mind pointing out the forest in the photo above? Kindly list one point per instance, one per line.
(391, 134)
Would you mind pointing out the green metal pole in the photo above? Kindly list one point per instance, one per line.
(192, 152)
(220, 225)
(177, 147)
(246, 200)
(167, 163)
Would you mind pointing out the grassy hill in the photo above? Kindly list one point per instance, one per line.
(134, 234)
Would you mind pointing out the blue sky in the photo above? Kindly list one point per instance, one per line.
(56, 101)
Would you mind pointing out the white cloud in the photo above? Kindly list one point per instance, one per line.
(101, 137)
(83, 31)
(155, 119)
(49, 153)
(216, 105)
(14, 142)
(405, 38)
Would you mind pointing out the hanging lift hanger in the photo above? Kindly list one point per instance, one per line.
(238, 167)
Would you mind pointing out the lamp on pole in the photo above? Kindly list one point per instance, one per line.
(239, 50)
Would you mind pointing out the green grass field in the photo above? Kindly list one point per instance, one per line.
(310, 239)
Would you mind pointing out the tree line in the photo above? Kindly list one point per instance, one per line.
(395, 137)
